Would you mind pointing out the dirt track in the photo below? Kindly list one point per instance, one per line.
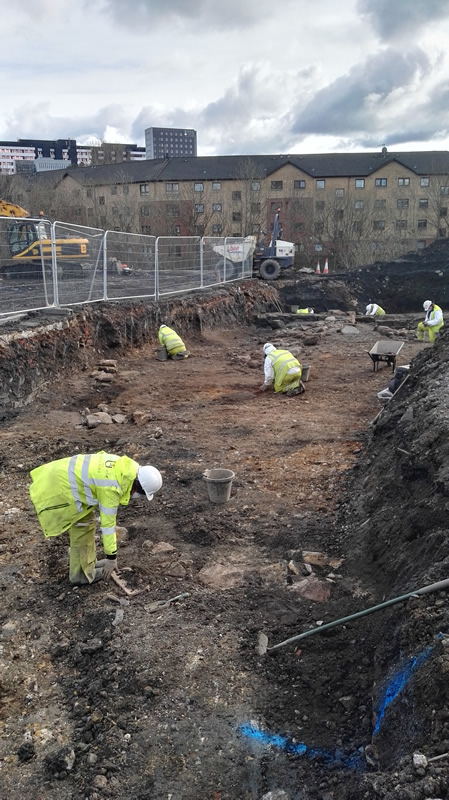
(169, 705)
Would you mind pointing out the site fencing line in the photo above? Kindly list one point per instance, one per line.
(52, 265)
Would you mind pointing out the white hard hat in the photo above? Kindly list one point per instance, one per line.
(268, 347)
(150, 480)
(369, 308)
(426, 305)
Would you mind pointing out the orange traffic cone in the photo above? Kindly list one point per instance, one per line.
(326, 268)
(318, 271)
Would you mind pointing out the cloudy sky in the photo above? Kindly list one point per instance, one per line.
(251, 76)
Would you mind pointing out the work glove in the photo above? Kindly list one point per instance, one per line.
(109, 565)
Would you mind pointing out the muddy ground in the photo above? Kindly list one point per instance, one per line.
(101, 697)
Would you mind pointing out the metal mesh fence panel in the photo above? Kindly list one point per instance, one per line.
(178, 262)
(226, 259)
(130, 264)
(25, 264)
(78, 254)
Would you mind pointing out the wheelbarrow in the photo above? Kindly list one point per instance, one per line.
(385, 350)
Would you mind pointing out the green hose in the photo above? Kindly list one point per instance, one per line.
(433, 587)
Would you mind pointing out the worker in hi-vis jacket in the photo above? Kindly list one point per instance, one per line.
(173, 343)
(432, 323)
(282, 369)
(373, 310)
(66, 494)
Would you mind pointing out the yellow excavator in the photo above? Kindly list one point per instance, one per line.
(29, 247)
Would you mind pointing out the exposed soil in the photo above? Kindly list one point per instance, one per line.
(177, 704)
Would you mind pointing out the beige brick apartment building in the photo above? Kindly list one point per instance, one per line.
(354, 207)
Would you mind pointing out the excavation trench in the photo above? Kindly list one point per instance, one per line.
(178, 703)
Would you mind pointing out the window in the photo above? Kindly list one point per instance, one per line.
(377, 247)
(299, 184)
(276, 206)
(299, 226)
(144, 188)
(320, 205)
(113, 190)
(381, 181)
(423, 202)
(144, 211)
(177, 230)
(88, 192)
(172, 211)
(255, 208)
(217, 228)
(145, 229)
(216, 207)
(422, 223)
(442, 232)
(199, 208)
(379, 224)
(401, 224)
(236, 234)
(359, 183)
(216, 186)
(402, 203)
(126, 190)
(198, 230)
(382, 203)
(339, 214)
(444, 189)
(357, 226)
(101, 201)
(321, 184)
(255, 186)
(403, 181)
(236, 196)
(79, 210)
(90, 212)
(236, 216)
(318, 248)
(443, 211)
(198, 187)
(319, 227)
(255, 229)
(277, 185)
(358, 204)
(170, 188)
(424, 182)
(339, 192)
(420, 244)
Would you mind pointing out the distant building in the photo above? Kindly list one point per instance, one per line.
(14, 155)
(170, 142)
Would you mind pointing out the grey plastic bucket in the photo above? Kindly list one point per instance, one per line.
(305, 372)
(219, 484)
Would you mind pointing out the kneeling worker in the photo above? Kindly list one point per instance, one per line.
(433, 321)
(373, 310)
(173, 343)
(284, 369)
(67, 492)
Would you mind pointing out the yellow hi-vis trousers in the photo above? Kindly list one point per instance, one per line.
(430, 330)
(82, 550)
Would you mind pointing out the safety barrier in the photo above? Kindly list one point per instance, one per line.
(44, 264)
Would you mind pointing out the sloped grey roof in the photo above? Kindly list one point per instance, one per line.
(222, 168)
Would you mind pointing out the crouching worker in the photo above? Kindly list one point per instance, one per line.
(173, 343)
(432, 323)
(374, 310)
(282, 368)
(67, 493)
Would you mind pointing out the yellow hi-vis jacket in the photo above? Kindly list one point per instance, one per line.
(302, 311)
(379, 312)
(65, 491)
(282, 361)
(430, 317)
(170, 339)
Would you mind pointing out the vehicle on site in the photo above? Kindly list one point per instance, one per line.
(268, 260)
(28, 248)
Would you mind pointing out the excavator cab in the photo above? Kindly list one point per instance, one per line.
(21, 235)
